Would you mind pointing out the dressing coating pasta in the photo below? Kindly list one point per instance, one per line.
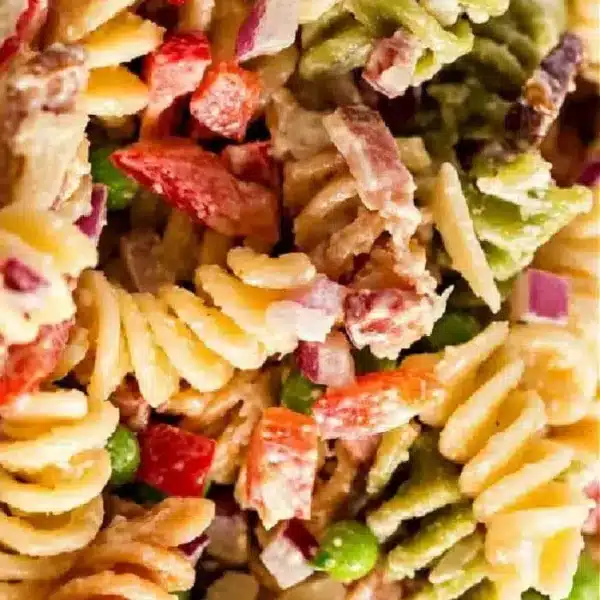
(511, 469)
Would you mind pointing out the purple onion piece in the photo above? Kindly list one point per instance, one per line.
(92, 224)
(19, 277)
(194, 549)
(297, 533)
(590, 175)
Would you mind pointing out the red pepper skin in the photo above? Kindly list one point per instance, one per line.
(175, 461)
(225, 101)
(27, 365)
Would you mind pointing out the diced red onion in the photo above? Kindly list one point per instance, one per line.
(92, 224)
(270, 27)
(592, 523)
(327, 363)
(540, 296)
(287, 555)
(194, 549)
(19, 277)
(392, 62)
(322, 294)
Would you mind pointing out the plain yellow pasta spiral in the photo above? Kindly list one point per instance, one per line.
(502, 390)
(137, 557)
(45, 251)
(111, 36)
(53, 468)
(178, 335)
(573, 253)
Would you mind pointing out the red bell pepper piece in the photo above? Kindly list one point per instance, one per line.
(26, 27)
(196, 182)
(173, 70)
(175, 461)
(375, 403)
(27, 365)
(225, 101)
(281, 466)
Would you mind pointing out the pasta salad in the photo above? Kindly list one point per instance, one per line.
(299, 299)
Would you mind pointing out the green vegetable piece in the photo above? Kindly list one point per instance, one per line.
(348, 551)
(182, 595)
(586, 583)
(121, 189)
(453, 328)
(299, 393)
(345, 50)
(366, 362)
(124, 452)
(438, 534)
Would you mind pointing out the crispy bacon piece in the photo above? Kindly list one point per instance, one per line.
(384, 183)
(530, 117)
(225, 101)
(175, 69)
(390, 320)
(20, 21)
(327, 363)
(375, 403)
(392, 62)
(252, 162)
(196, 182)
(25, 366)
(281, 466)
(134, 411)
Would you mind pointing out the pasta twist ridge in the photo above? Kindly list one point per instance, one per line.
(431, 493)
(53, 469)
(136, 556)
(111, 36)
(493, 419)
(40, 253)
(178, 335)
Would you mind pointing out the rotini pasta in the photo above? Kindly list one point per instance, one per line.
(111, 36)
(53, 470)
(430, 493)
(177, 335)
(573, 253)
(48, 251)
(510, 382)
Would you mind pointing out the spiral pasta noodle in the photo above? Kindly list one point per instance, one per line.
(53, 469)
(176, 335)
(573, 253)
(40, 253)
(502, 389)
(111, 36)
(430, 493)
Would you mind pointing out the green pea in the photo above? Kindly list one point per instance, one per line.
(453, 328)
(299, 393)
(366, 362)
(124, 452)
(121, 189)
(348, 551)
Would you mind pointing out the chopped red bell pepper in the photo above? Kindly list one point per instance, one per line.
(226, 100)
(175, 69)
(26, 27)
(281, 466)
(375, 403)
(196, 182)
(253, 162)
(27, 365)
(175, 461)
